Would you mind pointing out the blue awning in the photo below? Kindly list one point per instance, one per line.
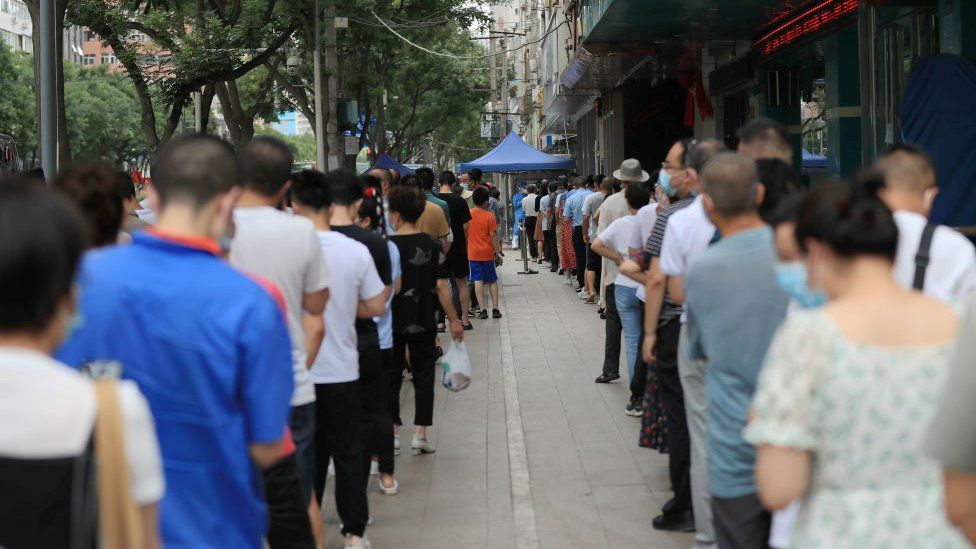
(515, 155)
(815, 163)
(387, 162)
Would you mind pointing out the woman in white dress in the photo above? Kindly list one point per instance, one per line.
(849, 390)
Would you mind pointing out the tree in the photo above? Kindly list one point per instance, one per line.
(17, 114)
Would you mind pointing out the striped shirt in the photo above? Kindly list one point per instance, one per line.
(652, 247)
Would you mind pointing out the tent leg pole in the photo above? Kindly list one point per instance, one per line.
(525, 256)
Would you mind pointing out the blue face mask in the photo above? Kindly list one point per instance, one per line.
(464, 186)
(792, 279)
(664, 180)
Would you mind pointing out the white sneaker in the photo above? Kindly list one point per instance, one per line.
(421, 446)
(396, 445)
(374, 468)
(356, 542)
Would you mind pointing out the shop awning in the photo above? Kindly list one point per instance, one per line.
(515, 155)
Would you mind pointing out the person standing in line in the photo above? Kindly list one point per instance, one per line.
(127, 192)
(497, 209)
(531, 218)
(910, 190)
(662, 326)
(613, 208)
(46, 443)
(385, 179)
(539, 237)
(548, 228)
(424, 284)
(432, 221)
(357, 292)
(467, 184)
(457, 256)
(565, 234)
(365, 400)
(848, 391)
(484, 248)
(574, 213)
(222, 404)
(518, 213)
(593, 260)
(283, 249)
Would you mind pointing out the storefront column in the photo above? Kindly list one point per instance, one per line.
(842, 63)
(788, 111)
(957, 25)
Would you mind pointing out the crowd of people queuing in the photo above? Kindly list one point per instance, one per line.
(188, 371)
(802, 353)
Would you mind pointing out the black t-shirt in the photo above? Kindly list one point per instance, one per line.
(414, 306)
(381, 257)
(460, 214)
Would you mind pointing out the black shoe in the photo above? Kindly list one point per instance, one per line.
(495, 313)
(607, 378)
(483, 314)
(467, 326)
(679, 522)
(635, 408)
(562, 272)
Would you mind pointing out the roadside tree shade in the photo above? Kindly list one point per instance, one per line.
(515, 155)
(937, 115)
(387, 162)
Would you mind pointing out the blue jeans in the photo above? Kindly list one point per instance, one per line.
(629, 309)
(302, 423)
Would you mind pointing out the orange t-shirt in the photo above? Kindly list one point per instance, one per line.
(481, 232)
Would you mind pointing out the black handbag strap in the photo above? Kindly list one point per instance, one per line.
(923, 257)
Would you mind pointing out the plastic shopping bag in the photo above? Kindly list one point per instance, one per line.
(456, 367)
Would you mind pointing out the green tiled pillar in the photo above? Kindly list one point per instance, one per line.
(957, 27)
(842, 60)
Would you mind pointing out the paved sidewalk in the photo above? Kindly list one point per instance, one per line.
(580, 479)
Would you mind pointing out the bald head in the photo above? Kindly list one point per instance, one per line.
(731, 182)
(907, 169)
(194, 170)
(764, 138)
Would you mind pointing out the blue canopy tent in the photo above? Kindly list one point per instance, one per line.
(937, 115)
(815, 163)
(515, 155)
(387, 162)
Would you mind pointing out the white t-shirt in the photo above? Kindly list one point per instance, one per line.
(623, 235)
(283, 248)
(688, 234)
(951, 275)
(612, 209)
(354, 277)
(646, 217)
(384, 324)
(49, 412)
(528, 205)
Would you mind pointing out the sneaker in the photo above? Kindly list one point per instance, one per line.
(356, 542)
(374, 468)
(583, 294)
(467, 327)
(421, 446)
(635, 408)
(495, 313)
(396, 445)
(483, 314)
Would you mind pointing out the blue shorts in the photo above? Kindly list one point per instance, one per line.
(483, 271)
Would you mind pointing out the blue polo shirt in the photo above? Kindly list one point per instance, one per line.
(574, 205)
(210, 350)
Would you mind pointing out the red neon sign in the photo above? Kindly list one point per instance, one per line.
(809, 21)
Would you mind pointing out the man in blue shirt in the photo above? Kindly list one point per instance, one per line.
(207, 346)
(519, 214)
(573, 212)
(734, 306)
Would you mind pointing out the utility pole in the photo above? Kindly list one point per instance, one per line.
(48, 95)
(492, 78)
(320, 137)
(334, 151)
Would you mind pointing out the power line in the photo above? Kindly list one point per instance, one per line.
(463, 57)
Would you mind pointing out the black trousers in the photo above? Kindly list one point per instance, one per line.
(679, 466)
(611, 355)
(422, 363)
(287, 506)
(376, 425)
(530, 236)
(579, 247)
(549, 245)
(638, 385)
(383, 443)
(338, 408)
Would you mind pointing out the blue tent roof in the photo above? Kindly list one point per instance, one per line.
(515, 155)
(387, 162)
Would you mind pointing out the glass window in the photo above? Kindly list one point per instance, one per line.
(88, 60)
(109, 59)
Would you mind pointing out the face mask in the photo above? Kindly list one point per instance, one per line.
(664, 180)
(464, 186)
(792, 279)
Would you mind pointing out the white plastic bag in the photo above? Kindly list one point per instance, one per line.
(456, 367)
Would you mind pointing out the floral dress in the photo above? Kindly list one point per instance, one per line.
(862, 411)
(654, 421)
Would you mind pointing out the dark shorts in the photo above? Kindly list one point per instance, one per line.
(483, 271)
(458, 265)
(593, 259)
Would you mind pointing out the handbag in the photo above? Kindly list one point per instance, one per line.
(119, 519)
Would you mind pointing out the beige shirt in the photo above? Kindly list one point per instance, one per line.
(433, 221)
(612, 209)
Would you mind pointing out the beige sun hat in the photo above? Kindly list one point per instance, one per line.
(630, 170)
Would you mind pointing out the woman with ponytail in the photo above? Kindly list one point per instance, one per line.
(848, 390)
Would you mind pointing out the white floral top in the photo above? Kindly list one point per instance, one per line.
(862, 411)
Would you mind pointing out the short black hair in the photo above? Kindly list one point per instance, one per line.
(762, 128)
(266, 164)
(344, 187)
(637, 195)
(125, 187)
(475, 174)
(779, 180)
(447, 177)
(426, 176)
(410, 180)
(194, 169)
(480, 196)
(850, 218)
(42, 237)
(309, 188)
(494, 192)
(93, 188)
(409, 202)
